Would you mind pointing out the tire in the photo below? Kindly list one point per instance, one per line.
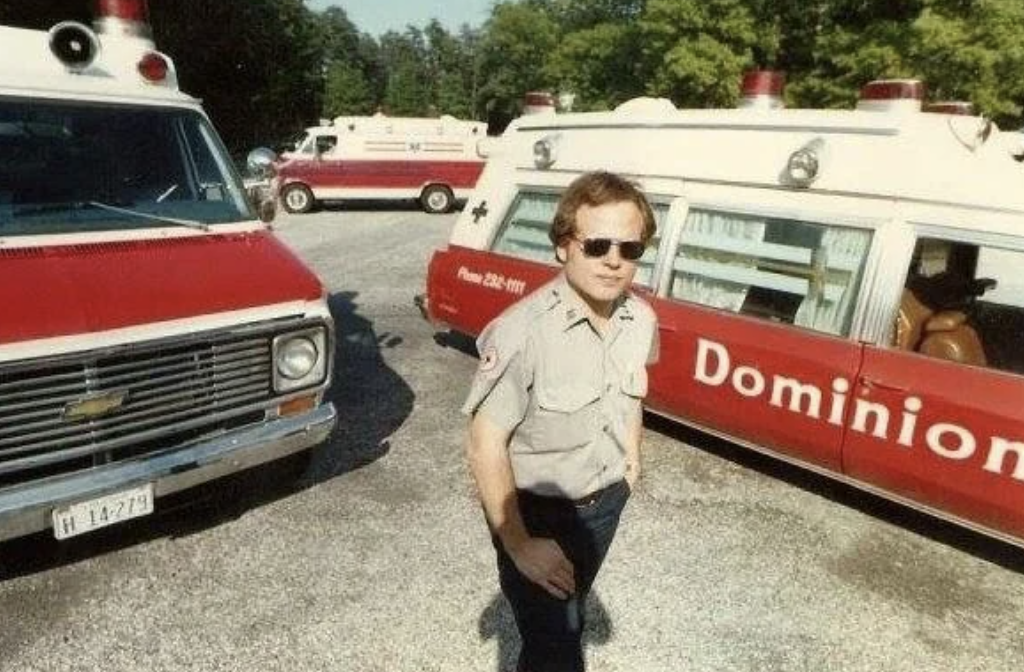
(297, 198)
(436, 199)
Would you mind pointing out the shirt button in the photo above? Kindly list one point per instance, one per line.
(608, 387)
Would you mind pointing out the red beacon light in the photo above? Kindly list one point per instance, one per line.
(153, 67)
(123, 17)
(892, 95)
(762, 90)
(538, 102)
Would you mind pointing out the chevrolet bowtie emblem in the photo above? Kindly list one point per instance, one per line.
(95, 405)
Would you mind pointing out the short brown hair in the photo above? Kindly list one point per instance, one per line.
(598, 188)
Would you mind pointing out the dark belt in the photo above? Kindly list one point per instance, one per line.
(582, 502)
(592, 498)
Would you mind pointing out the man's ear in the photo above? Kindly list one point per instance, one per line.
(561, 254)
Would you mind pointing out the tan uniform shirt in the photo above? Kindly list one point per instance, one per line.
(563, 389)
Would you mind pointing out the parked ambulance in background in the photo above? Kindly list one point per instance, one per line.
(839, 289)
(431, 160)
(154, 334)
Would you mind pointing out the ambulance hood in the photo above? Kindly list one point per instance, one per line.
(65, 290)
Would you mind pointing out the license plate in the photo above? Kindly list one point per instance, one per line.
(93, 514)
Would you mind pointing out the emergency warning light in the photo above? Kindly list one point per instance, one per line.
(124, 17)
(74, 45)
(762, 89)
(892, 95)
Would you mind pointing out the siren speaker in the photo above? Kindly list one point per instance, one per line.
(74, 44)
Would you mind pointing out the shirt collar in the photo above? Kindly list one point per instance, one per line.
(572, 310)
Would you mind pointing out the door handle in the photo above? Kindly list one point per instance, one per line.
(665, 327)
(872, 384)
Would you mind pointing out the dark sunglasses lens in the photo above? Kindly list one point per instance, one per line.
(596, 247)
(631, 250)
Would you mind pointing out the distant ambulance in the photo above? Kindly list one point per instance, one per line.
(839, 289)
(431, 160)
(154, 334)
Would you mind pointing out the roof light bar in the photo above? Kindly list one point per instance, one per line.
(123, 17)
(762, 89)
(538, 102)
(892, 95)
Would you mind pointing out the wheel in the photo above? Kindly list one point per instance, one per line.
(297, 198)
(436, 199)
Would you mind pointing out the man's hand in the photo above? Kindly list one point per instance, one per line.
(543, 562)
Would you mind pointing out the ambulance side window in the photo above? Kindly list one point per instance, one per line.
(784, 270)
(964, 303)
(524, 233)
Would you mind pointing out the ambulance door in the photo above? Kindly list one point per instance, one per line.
(490, 264)
(938, 415)
(757, 297)
(327, 175)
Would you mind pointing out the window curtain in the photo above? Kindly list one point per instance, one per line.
(712, 292)
(828, 306)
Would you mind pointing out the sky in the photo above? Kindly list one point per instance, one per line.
(379, 16)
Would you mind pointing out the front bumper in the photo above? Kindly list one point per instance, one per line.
(27, 508)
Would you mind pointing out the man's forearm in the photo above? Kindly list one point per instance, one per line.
(492, 470)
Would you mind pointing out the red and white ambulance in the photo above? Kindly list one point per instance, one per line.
(154, 334)
(431, 160)
(840, 289)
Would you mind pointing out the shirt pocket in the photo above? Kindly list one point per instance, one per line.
(634, 383)
(565, 417)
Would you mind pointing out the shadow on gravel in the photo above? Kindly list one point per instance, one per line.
(497, 622)
(940, 531)
(372, 402)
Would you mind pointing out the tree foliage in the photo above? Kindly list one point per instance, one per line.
(266, 68)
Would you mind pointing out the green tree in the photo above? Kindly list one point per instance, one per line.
(695, 51)
(404, 57)
(450, 70)
(972, 50)
(350, 66)
(599, 65)
(513, 52)
(255, 63)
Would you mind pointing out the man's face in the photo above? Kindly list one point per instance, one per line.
(601, 280)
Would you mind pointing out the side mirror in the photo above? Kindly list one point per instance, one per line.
(260, 162)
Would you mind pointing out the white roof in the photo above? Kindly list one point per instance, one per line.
(912, 156)
(29, 68)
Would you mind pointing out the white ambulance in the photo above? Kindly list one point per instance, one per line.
(154, 334)
(843, 290)
(431, 160)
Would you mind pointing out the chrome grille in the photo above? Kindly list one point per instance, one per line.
(170, 390)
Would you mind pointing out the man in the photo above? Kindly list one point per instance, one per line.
(554, 441)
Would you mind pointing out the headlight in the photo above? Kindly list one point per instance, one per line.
(300, 359)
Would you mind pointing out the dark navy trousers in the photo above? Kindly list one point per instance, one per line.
(552, 629)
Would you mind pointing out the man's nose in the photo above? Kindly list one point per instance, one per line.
(613, 258)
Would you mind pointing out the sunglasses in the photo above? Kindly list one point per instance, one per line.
(630, 250)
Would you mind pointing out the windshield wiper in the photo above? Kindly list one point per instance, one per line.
(190, 223)
(83, 205)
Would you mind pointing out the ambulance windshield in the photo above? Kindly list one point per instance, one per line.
(148, 167)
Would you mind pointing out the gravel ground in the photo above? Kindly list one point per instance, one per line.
(377, 557)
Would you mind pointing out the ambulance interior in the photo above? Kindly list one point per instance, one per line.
(950, 307)
(81, 167)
